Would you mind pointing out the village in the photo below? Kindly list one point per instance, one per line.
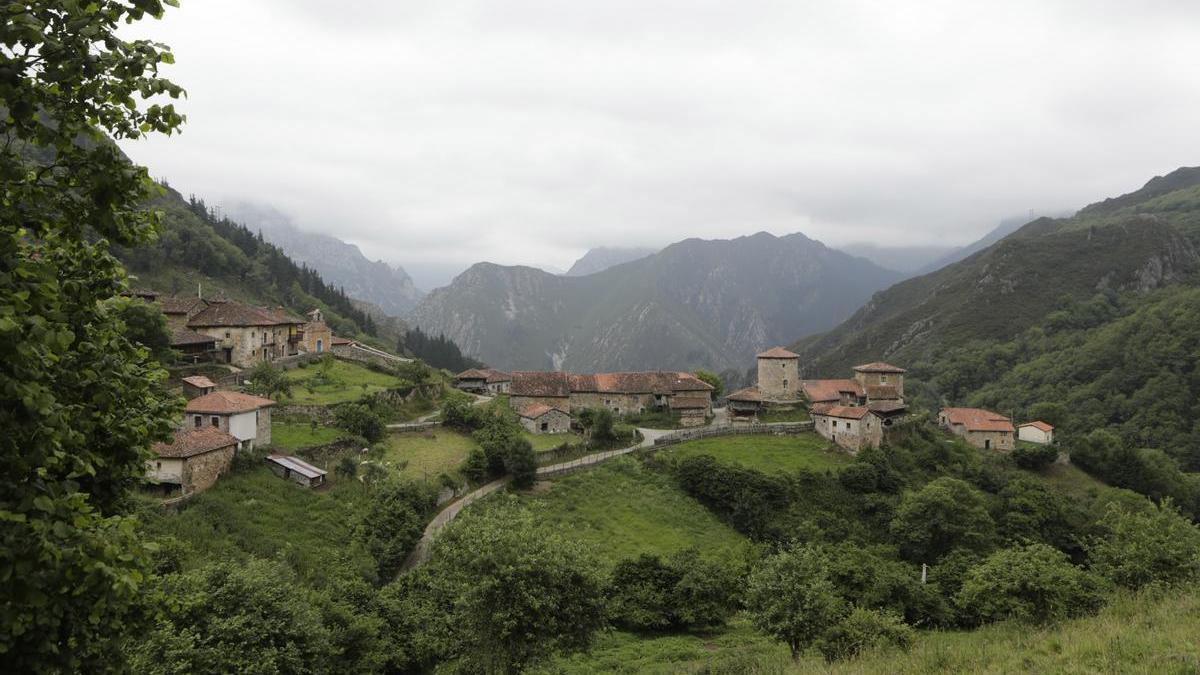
(222, 420)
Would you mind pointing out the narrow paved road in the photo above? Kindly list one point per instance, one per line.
(421, 553)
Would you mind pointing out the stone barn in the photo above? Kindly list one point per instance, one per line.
(543, 419)
(192, 461)
(981, 428)
(851, 427)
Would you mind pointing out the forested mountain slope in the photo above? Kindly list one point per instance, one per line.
(198, 248)
(1141, 241)
(695, 304)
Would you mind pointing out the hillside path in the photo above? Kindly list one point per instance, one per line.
(421, 553)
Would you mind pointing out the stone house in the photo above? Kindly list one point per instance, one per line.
(779, 375)
(197, 386)
(179, 310)
(192, 461)
(193, 346)
(693, 411)
(542, 419)
(883, 376)
(877, 386)
(247, 335)
(851, 427)
(483, 381)
(243, 416)
(1036, 432)
(315, 335)
(296, 470)
(981, 428)
(744, 405)
(622, 393)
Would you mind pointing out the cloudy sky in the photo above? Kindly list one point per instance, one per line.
(440, 133)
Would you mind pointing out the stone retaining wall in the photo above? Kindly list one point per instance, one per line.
(775, 429)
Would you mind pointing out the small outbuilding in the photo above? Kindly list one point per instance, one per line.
(692, 410)
(851, 427)
(192, 461)
(296, 470)
(543, 419)
(981, 428)
(744, 405)
(197, 386)
(1036, 432)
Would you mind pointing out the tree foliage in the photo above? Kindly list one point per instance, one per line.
(713, 379)
(684, 592)
(79, 401)
(438, 351)
(268, 379)
(1033, 583)
(1143, 547)
(945, 514)
(393, 522)
(790, 597)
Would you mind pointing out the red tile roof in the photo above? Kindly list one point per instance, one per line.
(1039, 425)
(472, 374)
(830, 390)
(750, 394)
(335, 340)
(171, 304)
(488, 374)
(227, 403)
(540, 383)
(778, 353)
(184, 337)
(200, 382)
(878, 367)
(891, 406)
(229, 313)
(192, 442)
(978, 419)
(842, 411)
(544, 383)
(536, 410)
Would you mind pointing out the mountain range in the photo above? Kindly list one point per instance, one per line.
(603, 257)
(342, 264)
(697, 303)
(1137, 242)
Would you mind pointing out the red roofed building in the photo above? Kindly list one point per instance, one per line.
(483, 381)
(622, 393)
(243, 416)
(192, 461)
(247, 335)
(197, 386)
(744, 405)
(1036, 432)
(543, 419)
(779, 375)
(981, 428)
(851, 427)
(881, 374)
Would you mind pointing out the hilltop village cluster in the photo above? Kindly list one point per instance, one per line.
(854, 413)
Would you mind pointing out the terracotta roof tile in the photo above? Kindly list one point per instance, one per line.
(192, 442)
(171, 304)
(886, 406)
(540, 383)
(1039, 425)
(536, 410)
(472, 374)
(200, 381)
(227, 402)
(549, 383)
(778, 353)
(229, 313)
(842, 411)
(978, 419)
(830, 390)
(878, 367)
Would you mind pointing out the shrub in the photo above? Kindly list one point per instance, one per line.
(790, 597)
(520, 463)
(639, 593)
(1034, 457)
(347, 467)
(362, 420)
(945, 514)
(684, 592)
(868, 578)
(598, 422)
(1033, 584)
(750, 500)
(1139, 548)
(476, 467)
(393, 522)
(459, 412)
(863, 630)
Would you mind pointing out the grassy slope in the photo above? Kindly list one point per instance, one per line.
(346, 383)
(296, 434)
(430, 453)
(769, 454)
(624, 510)
(1147, 633)
(550, 441)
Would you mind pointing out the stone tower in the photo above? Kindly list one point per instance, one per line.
(779, 375)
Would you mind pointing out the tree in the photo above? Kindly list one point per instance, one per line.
(790, 597)
(80, 403)
(520, 463)
(512, 592)
(360, 419)
(232, 617)
(711, 378)
(393, 522)
(864, 629)
(1034, 583)
(945, 514)
(268, 379)
(145, 325)
(686, 591)
(1034, 457)
(599, 423)
(1153, 545)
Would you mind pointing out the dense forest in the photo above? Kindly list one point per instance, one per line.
(439, 351)
(194, 238)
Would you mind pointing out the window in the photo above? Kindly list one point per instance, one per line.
(883, 379)
(158, 466)
(835, 424)
(197, 421)
(226, 335)
(545, 426)
(216, 421)
(785, 383)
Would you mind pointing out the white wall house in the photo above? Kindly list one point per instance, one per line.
(247, 418)
(1036, 432)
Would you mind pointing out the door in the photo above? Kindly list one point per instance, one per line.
(987, 444)
(320, 345)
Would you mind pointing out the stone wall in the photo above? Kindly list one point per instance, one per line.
(556, 422)
(779, 379)
(202, 471)
(872, 379)
(263, 437)
(361, 354)
(621, 404)
(990, 440)
(853, 435)
(774, 429)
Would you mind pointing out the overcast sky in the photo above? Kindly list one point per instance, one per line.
(448, 132)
